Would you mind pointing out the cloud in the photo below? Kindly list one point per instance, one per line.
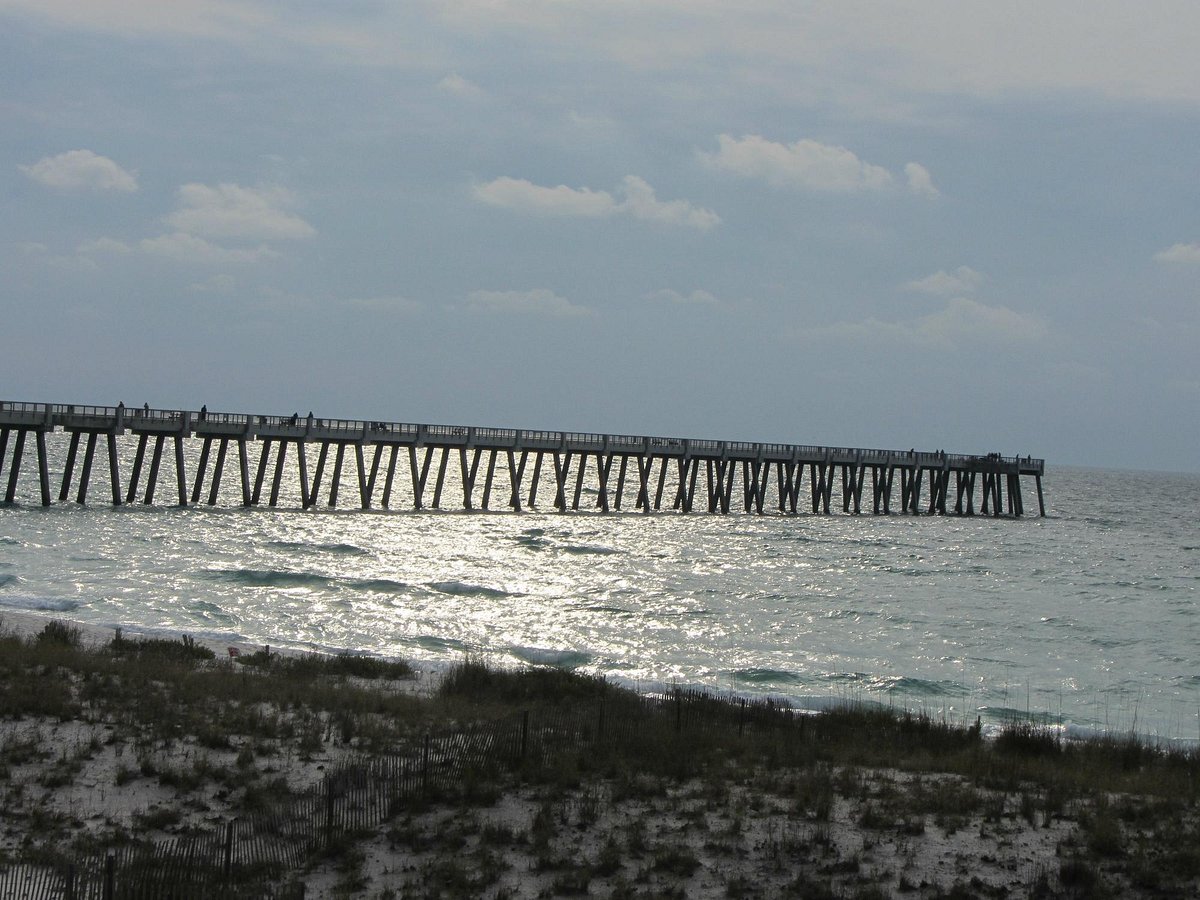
(695, 298)
(189, 248)
(810, 166)
(383, 304)
(920, 181)
(103, 245)
(639, 201)
(524, 196)
(232, 211)
(540, 302)
(963, 323)
(963, 280)
(806, 164)
(460, 87)
(1179, 253)
(81, 170)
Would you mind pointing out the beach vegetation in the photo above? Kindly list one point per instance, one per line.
(574, 782)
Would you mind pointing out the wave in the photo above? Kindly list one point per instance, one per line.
(6, 580)
(589, 549)
(433, 642)
(378, 585)
(269, 577)
(545, 656)
(768, 676)
(40, 603)
(465, 589)
(13, 542)
(335, 548)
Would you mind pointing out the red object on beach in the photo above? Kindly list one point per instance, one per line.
(234, 651)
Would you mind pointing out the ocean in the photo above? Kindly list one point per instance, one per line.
(1086, 620)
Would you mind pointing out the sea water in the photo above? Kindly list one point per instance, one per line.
(1086, 619)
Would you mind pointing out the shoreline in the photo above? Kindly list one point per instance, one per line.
(893, 806)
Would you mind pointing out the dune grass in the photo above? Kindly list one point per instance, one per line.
(756, 799)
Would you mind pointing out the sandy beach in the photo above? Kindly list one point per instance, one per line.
(959, 817)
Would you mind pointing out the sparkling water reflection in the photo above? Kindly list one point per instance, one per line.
(1088, 616)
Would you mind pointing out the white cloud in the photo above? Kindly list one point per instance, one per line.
(232, 211)
(460, 87)
(919, 180)
(189, 248)
(104, 245)
(806, 164)
(639, 201)
(963, 324)
(524, 196)
(222, 283)
(81, 170)
(540, 302)
(1179, 253)
(963, 280)
(383, 304)
(695, 298)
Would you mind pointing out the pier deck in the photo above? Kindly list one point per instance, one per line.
(767, 477)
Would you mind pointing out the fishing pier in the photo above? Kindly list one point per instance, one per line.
(496, 467)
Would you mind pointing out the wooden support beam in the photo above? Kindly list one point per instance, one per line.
(3, 446)
(516, 472)
(691, 490)
(336, 481)
(583, 458)
(218, 468)
(69, 468)
(533, 480)
(136, 474)
(645, 464)
(43, 467)
(152, 477)
(261, 472)
(302, 461)
(441, 478)
(244, 470)
(662, 480)
(376, 456)
(391, 473)
(14, 469)
(180, 471)
(114, 471)
(487, 480)
(198, 481)
(1041, 500)
(469, 475)
(603, 468)
(727, 493)
(562, 469)
(621, 481)
(418, 474)
(364, 494)
(85, 476)
(277, 480)
(314, 492)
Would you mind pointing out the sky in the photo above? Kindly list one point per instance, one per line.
(950, 224)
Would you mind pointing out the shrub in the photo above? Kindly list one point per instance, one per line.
(59, 634)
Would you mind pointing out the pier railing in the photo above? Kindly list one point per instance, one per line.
(572, 453)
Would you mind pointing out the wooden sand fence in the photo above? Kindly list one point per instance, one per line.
(254, 856)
